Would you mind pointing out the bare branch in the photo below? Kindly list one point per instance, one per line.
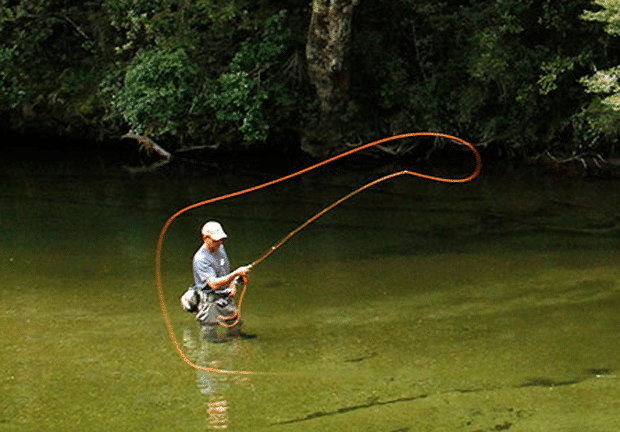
(148, 144)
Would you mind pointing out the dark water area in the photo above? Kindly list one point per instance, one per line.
(414, 306)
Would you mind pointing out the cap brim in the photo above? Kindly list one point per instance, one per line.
(218, 236)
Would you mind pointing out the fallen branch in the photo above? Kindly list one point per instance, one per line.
(582, 158)
(148, 144)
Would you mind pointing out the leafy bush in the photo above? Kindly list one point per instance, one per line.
(244, 91)
(158, 90)
(600, 120)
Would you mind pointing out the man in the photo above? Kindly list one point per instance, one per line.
(216, 284)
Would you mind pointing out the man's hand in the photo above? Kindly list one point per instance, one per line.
(243, 271)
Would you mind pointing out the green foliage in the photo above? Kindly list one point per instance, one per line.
(504, 72)
(500, 71)
(49, 64)
(596, 125)
(552, 71)
(490, 58)
(158, 91)
(240, 99)
(243, 93)
(144, 23)
(602, 117)
(12, 90)
(609, 15)
(166, 55)
(195, 25)
(606, 81)
(254, 56)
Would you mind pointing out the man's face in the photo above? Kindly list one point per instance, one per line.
(212, 245)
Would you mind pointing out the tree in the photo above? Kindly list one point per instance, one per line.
(244, 92)
(158, 78)
(327, 56)
(49, 64)
(206, 70)
(243, 73)
(503, 73)
(602, 119)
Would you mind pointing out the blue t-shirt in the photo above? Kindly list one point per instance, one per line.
(207, 265)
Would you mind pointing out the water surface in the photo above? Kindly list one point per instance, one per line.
(413, 307)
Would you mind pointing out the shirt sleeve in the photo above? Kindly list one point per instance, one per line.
(202, 272)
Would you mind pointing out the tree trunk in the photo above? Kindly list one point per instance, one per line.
(327, 51)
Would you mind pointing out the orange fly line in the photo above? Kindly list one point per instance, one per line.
(166, 226)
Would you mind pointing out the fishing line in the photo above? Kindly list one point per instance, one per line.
(236, 317)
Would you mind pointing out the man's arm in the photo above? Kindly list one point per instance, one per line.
(223, 282)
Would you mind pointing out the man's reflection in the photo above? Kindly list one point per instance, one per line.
(215, 386)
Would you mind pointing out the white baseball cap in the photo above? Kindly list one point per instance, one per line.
(213, 230)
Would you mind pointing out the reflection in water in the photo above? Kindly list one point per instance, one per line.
(218, 415)
(214, 386)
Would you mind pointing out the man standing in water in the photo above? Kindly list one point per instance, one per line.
(216, 284)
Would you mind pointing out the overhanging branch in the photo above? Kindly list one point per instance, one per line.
(148, 144)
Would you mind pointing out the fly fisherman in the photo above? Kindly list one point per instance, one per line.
(215, 283)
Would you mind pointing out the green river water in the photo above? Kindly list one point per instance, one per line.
(414, 306)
